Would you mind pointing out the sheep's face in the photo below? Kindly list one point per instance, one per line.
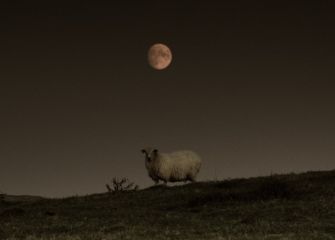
(150, 154)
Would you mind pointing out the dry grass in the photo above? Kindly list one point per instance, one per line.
(294, 206)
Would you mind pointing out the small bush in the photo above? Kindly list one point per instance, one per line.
(120, 185)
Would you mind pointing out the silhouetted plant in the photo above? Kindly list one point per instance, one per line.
(121, 184)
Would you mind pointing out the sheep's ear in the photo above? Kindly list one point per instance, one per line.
(143, 151)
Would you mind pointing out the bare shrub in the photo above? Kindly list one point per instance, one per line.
(121, 185)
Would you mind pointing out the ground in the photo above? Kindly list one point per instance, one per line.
(292, 206)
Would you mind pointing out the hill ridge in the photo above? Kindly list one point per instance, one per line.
(280, 206)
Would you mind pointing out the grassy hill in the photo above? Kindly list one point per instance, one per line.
(293, 206)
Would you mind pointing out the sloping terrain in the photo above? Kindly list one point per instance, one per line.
(293, 206)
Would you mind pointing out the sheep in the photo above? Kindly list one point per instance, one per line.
(171, 167)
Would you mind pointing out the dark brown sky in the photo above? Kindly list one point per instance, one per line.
(251, 88)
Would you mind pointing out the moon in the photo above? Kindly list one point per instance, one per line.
(159, 56)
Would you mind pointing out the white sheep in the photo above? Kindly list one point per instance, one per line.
(171, 167)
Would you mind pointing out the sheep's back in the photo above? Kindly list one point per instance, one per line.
(184, 157)
(180, 162)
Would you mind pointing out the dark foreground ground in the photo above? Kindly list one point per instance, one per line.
(294, 206)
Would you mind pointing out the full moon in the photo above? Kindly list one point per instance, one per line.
(159, 56)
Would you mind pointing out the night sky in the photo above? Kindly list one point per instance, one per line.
(250, 88)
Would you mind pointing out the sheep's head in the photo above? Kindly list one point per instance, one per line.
(150, 154)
